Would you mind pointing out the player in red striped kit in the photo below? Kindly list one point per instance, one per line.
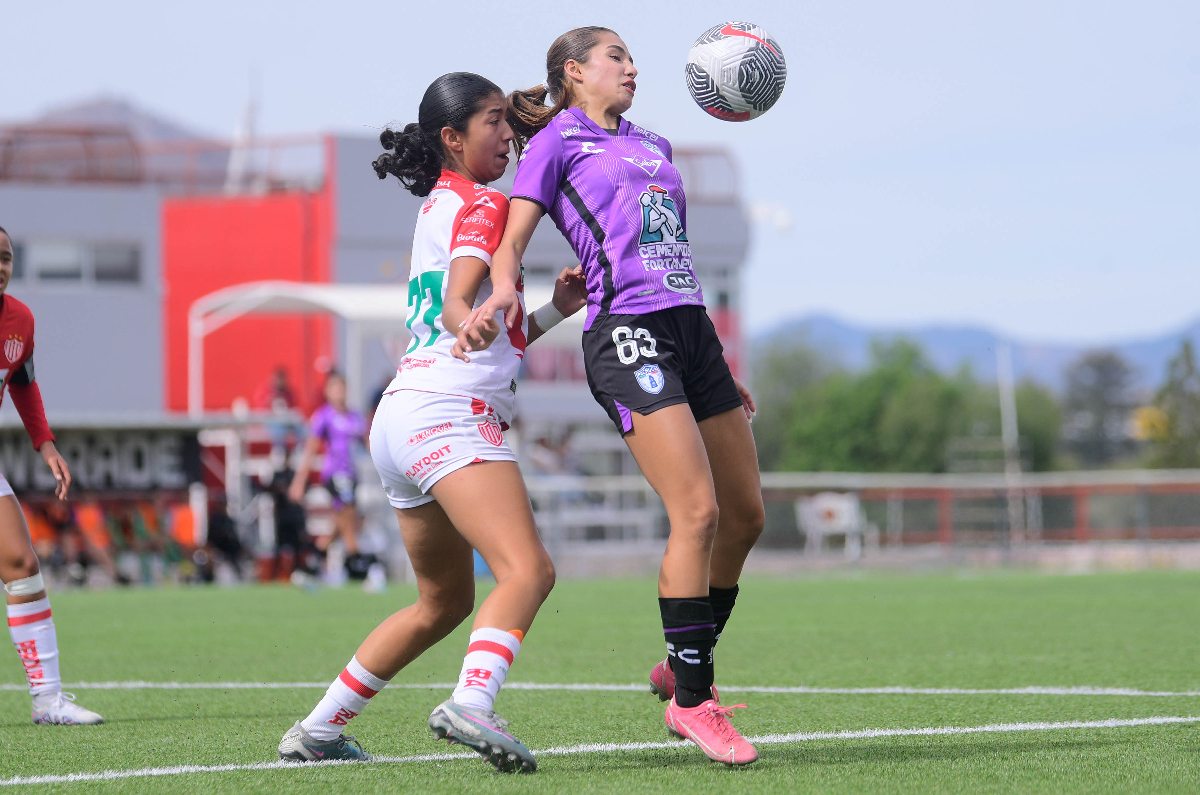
(30, 621)
(437, 438)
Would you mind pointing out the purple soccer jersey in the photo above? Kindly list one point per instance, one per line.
(341, 432)
(618, 200)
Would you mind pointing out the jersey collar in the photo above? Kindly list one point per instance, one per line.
(582, 118)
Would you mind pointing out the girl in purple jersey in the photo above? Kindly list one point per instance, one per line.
(438, 442)
(342, 431)
(653, 358)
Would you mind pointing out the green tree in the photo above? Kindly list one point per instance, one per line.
(780, 371)
(1098, 405)
(894, 417)
(1039, 426)
(1178, 443)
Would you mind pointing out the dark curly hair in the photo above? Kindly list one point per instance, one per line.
(415, 154)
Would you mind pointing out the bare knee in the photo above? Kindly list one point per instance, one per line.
(695, 523)
(440, 614)
(534, 575)
(544, 577)
(747, 522)
(19, 566)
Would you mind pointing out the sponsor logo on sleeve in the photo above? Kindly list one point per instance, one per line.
(479, 219)
(471, 237)
(653, 147)
(568, 132)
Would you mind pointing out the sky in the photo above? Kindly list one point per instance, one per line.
(1032, 167)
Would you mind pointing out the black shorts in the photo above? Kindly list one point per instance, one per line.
(342, 488)
(647, 362)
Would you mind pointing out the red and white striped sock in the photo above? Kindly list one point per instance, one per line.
(344, 700)
(489, 655)
(32, 629)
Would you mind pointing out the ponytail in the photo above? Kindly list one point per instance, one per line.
(413, 160)
(528, 113)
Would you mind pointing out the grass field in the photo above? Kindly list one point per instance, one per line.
(828, 644)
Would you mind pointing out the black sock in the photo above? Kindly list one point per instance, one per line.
(722, 600)
(689, 629)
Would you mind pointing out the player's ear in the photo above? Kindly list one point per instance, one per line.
(452, 139)
(573, 70)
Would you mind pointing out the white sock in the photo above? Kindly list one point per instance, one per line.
(489, 655)
(344, 700)
(32, 629)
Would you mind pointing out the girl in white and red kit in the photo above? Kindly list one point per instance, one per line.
(437, 437)
(30, 620)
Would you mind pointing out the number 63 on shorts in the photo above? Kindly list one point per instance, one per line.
(642, 363)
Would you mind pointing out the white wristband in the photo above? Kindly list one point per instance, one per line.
(547, 316)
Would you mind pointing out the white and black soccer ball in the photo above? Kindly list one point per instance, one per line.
(736, 71)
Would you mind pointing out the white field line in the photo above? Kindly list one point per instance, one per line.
(1033, 690)
(596, 748)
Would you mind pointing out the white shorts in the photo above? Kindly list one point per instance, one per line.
(417, 438)
(5, 489)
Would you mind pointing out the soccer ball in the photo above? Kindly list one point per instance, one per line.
(735, 71)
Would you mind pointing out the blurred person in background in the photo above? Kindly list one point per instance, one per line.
(277, 396)
(295, 552)
(30, 620)
(342, 432)
(438, 440)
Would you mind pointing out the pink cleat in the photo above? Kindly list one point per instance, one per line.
(708, 726)
(662, 682)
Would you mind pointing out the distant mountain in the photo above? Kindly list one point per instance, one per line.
(951, 347)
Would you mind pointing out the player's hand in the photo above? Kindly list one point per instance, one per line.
(296, 491)
(475, 337)
(570, 291)
(58, 467)
(504, 299)
(748, 404)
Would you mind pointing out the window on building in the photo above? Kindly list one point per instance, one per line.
(116, 262)
(56, 262)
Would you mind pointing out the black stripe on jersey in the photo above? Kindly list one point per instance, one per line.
(23, 375)
(597, 233)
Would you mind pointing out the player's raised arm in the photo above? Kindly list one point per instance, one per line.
(523, 218)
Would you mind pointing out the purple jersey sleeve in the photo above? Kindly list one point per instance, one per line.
(540, 170)
(318, 424)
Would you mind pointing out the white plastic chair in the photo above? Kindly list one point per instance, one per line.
(830, 513)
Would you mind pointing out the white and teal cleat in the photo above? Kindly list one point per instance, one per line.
(300, 746)
(60, 709)
(484, 731)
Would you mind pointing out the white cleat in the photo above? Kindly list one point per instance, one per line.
(60, 709)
